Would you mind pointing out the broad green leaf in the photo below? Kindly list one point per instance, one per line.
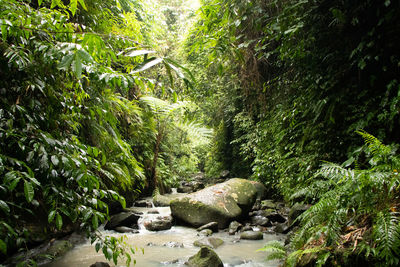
(55, 160)
(40, 2)
(78, 66)
(54, 3)
(13, 184)
(95, 151)
(4, 32)
(28, 190)
(73, 6)
(168, 68)
(95, 222)
(51, 216)
(147, 64)
(66, 62)
(4, 206)
(103, 159)
(136, 53)
(82, 2)
(122, 201)
(115, 258)
(97, 246)
(3, 247)
(85, 56)
(59, 221)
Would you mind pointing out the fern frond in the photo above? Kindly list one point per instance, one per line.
(276, 249)
(196, 132)
(373, 143)
(295, 256)
(162, 107)
(331, 170)
(387, 235)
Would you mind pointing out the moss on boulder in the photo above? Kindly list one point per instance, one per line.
(221, 203)
(206, 257)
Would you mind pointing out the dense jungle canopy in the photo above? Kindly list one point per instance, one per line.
(104, 101)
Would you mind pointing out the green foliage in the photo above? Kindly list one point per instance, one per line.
(73, 135)
(174, 139)
(276, 249)
(292, 81)
(357, 213)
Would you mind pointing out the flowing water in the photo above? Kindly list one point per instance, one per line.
(233, 252)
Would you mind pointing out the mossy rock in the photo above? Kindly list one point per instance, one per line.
(251, 235)
(206, 257)
(221, 203)
(165, 200)
(59, 248)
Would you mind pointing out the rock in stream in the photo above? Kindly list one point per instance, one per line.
(221, 203)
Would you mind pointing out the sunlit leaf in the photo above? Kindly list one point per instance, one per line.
(59, 221)
(136, 53)
(51, 216)
(4, 207)
(28, 190)
(147, 64)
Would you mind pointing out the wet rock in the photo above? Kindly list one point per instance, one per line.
(154, 211)
(191, 186)
(170, 262)
(252, 235)
(211, 242)
(197, 185)
(281, 228)
(276, 217)
(100, 264)
(234, 227)
(224, 174)
(185, 189)
(260, 220)
(257, 205)
(268, 204)
(206, 257)
(124, 229)
(173, 244)
(247, 227)
(59, 248)
(164, 200)
(122, 219)
(213, 226)
(205, 232)
(296, 211)
(143, 203)
(158, 224)
(222, 203)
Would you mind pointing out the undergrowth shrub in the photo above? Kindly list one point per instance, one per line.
(356, 218)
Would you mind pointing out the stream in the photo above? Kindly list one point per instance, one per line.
(233, 252)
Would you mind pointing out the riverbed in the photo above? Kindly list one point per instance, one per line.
(234, 252)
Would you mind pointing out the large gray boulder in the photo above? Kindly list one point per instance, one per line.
(221, 203)
(158, 224)
(206, 257)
